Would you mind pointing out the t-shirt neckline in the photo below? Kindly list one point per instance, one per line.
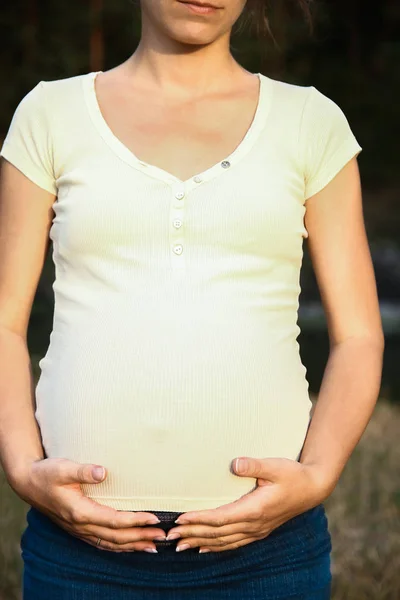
(257, 125)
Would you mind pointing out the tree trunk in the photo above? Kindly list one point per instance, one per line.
(31, 24)
(96, 36)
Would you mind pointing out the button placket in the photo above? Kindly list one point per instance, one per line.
(178, 192)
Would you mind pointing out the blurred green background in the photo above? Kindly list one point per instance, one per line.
(352, 56)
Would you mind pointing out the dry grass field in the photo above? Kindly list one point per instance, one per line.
(363, 514)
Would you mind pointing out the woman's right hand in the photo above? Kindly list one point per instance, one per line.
(52, 485)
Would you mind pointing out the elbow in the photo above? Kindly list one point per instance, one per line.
(373, 339)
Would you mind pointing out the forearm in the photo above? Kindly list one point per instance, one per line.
(348, 394)
(20, 440)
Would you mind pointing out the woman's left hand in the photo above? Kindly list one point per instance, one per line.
(285, 489)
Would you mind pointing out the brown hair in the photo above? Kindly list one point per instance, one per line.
(254, 15)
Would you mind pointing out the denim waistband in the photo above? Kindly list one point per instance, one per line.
(167, 522)
(313, 521)
(292, 560)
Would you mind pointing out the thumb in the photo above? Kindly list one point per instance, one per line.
(247, 467)
(88, 473)
(73, 472)
(263, 468)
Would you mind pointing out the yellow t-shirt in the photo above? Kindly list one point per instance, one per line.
(174, 343)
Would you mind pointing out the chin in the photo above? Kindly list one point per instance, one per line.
(193, 35)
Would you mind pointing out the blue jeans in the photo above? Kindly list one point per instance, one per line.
(292, 563)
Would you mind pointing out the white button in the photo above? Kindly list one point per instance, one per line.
(178, 249)
(225, 164)
(179, 195)
(197, 179)
(177, 223)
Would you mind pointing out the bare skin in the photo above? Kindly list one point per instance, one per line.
(183, 134)
(182, 103)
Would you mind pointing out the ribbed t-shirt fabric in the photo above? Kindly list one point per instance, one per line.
(174, 341)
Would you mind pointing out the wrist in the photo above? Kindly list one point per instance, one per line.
(18, 476)
(324, 480)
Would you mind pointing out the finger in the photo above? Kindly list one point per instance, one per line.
(208, 531)
(120, 536)
(220, 541)
(232, 546)
(107, 544)
(247, 508)
(215, 543)
(131, 547)
(265, 468)
(115, 536)
(63, 471)
(83, 510)
(67, 471)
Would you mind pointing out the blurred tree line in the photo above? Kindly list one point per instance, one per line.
(352, 56)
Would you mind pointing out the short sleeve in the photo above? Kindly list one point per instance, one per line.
(327, 142)
(27, 144)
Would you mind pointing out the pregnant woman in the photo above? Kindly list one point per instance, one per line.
(177, 190)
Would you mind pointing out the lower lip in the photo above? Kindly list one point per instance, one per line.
(200, 10)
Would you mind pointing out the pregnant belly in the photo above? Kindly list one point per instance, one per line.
(166, 419)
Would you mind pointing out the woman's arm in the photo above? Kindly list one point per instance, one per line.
(52, 485)
(25, 219)
(350, 387)
(342, 263)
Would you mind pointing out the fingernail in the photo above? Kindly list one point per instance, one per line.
(150, 550)
(152, 521)
(241, 465)
(173, 536)
(98, 473)
(160, 539)
(203, 550)
(183, 547)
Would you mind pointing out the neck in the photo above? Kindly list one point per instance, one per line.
(173, 66)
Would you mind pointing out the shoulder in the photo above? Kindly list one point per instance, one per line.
(58, 91)
(50, 96)
(305, 100)
(291, 94)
